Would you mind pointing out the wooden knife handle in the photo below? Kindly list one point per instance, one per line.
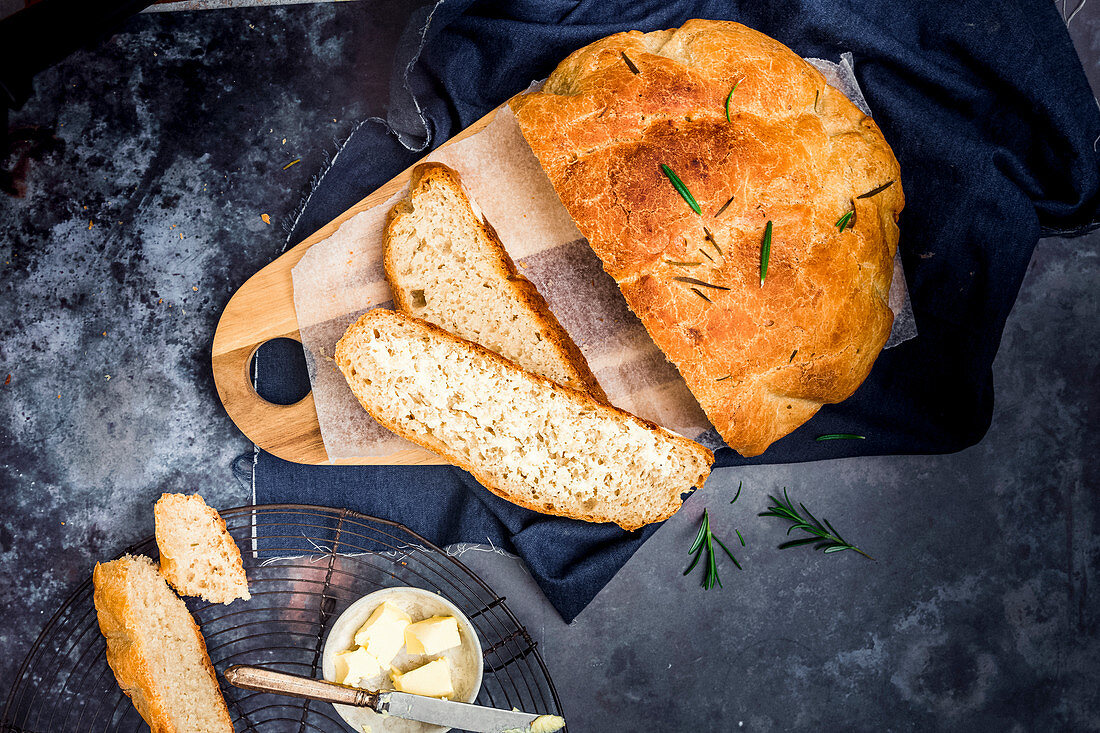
(280, 683)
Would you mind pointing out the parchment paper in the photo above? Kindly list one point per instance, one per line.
(341, 278)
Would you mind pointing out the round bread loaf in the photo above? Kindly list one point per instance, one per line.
(760, 353)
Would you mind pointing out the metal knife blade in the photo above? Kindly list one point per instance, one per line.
(453, 714)
(398, 704)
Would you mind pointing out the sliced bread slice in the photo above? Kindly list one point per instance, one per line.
(197, 554)
(156, 650)
(525, 438)
(446, 264)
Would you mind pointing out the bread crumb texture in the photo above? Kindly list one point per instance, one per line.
(198, 556)
(446, 264)
(761, 357)
(156, 650)
(541, 446)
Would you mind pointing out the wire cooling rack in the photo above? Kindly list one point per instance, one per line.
(305, 565)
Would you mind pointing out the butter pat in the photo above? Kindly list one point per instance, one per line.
(541, 724)
(432, 635)
(352, 667)
(431, 680)
(383, 634)
(547, 724)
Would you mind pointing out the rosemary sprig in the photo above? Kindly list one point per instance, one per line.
(845, 220)
(700, 283)
(840, 436)
(682, 264)
(681, 188)
(817, 93)
(722, 379)
(706, 254)
(735, 499)
(822, 534)
(792, 356)
(713, 242)
(765, 253)
(704, 545)
(724, 207)
(728, 98)
(701, 294)
(629, 64)
(874, 191)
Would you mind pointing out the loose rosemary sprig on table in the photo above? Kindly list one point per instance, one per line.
(704, 545)
(840, 436)
(822, 534)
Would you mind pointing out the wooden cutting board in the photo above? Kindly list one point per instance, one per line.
(263, 309)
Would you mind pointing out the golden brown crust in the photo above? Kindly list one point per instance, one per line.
(129, 667)
(117, 622)
(425, 440)
(523, 289)
(761, 359)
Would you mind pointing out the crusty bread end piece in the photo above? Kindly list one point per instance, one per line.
(525, 438)
(156, 650)
(446, 264)
(198, 557)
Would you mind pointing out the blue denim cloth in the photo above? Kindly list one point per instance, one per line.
(988, 111)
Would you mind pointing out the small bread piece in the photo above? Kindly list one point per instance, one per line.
(197, 554)
(446, 264)
(525, 438)
(156, 650)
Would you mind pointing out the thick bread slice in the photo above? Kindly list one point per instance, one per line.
(156, 650)
(446, 265)
(198, 557)
(525, 438)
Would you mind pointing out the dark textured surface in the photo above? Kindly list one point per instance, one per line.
(981, 613)
(155, 155)
(978, 613)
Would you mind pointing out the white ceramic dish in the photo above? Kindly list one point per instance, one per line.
(467, 663)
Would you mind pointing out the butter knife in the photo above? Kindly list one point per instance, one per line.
(398, 704)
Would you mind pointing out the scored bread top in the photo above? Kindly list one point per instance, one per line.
(525, 438)
(761, 357)
(156, 650)
(198, 557)
(446, 264)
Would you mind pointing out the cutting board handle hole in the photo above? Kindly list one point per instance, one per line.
(278, 371)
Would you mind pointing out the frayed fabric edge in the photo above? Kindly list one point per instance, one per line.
(456, 550)
(401, 95)
(290, 223)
